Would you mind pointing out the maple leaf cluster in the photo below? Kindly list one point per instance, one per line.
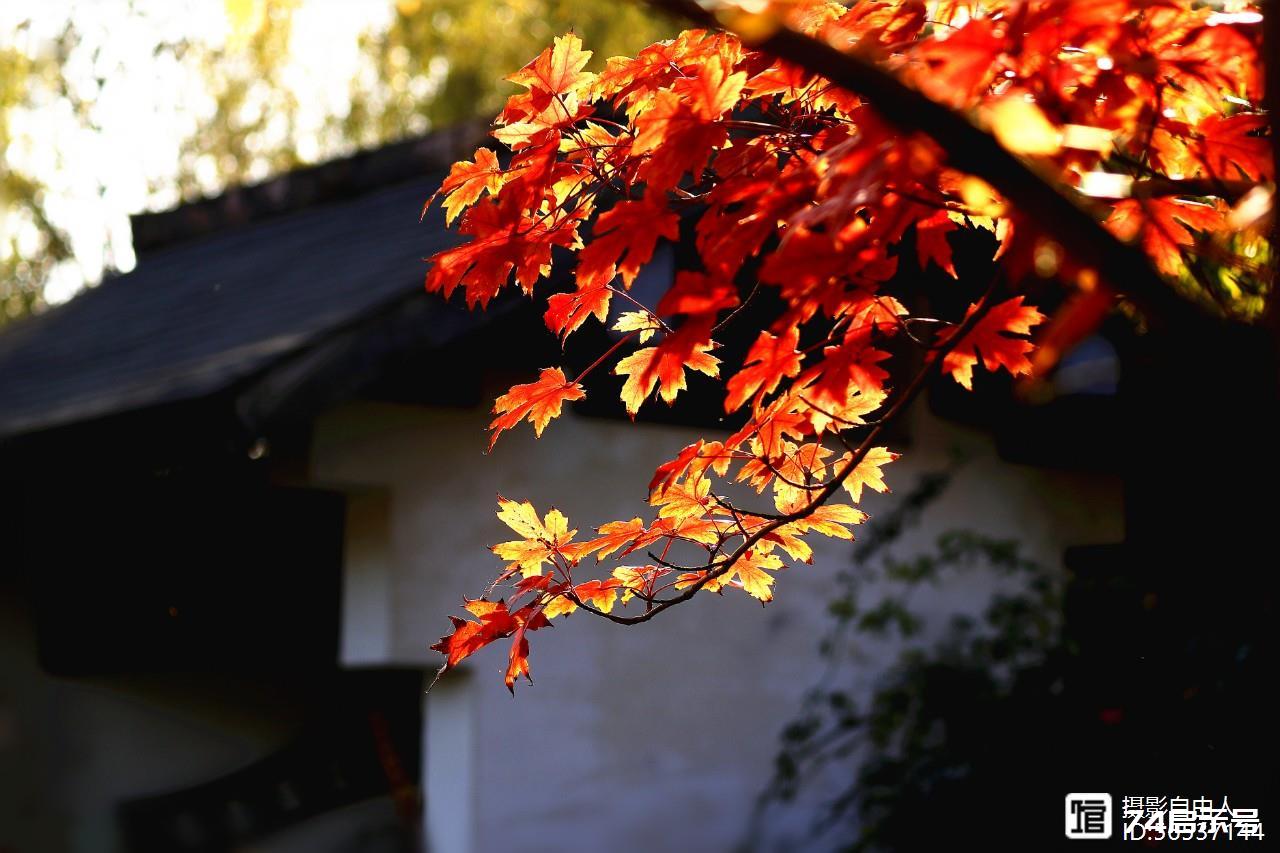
(795, 187)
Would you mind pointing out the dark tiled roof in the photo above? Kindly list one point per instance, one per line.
(207, 312)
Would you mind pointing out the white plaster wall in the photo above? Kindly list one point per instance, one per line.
(655, 737)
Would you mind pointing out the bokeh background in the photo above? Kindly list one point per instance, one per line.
(111, 108)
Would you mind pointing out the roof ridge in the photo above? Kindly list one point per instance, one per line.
(343, 178)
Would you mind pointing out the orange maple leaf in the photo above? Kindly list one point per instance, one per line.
(680, 128)
(688, 579)
(750, 573)
(558, 69)
(558, 602)
(540, 126)
(788, 539)
(663, 366)
(466, 182)
(600, 594)
(633, 82)
(637, 579)
(613, 536)
(689, 499)
(538, 401)
(528, 619)
(848, 369)
(713, 90)
(555, 81)
(830, 520)
(867, 471)
(677, 140)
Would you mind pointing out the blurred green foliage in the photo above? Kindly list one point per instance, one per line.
(24, 263)
(433, 63)
(463, 51)
(873, 759)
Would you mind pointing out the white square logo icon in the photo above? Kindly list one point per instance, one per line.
(1088, 816)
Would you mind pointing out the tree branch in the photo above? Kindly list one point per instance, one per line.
(972, 150)
(1230, 191)
(903, 399)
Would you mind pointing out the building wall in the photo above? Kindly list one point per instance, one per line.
(656, 736)
(71, 750)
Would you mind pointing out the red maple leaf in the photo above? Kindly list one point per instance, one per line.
(1233, 142)
(681, 128)
(958, 67)
(989, 341)
(506, 240)
(468, 637)
(931, 242)
(698, 293)
(624, 238)
(692, 461)
(770, 360)
(566, 312)
(1166, 226)
(802, 196)
(852, 367)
